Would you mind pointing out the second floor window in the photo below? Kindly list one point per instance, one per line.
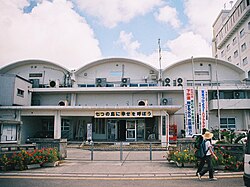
(20, 92)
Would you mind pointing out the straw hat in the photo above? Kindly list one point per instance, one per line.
(208, 135)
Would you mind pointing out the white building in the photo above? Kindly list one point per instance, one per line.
(231, 35)
(120, 99)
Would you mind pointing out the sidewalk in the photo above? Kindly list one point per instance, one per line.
(78, 164)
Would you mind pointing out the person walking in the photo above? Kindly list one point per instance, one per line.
(207, 158)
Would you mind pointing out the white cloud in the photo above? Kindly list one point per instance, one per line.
(52, 31)
(112, 12)
(202, 15)
(127, 44)
(168, 15)
(189, 44)
(185, 46)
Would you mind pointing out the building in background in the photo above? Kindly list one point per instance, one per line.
(120, 99)
(231, 35)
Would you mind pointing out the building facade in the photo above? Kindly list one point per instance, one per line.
(231, 35)
(120, 99)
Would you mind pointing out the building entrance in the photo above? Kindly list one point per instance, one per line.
(126, 130)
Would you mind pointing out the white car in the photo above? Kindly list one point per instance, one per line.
(246, 175)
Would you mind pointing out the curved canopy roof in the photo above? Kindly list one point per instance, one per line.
(121, 60)
(27, 62)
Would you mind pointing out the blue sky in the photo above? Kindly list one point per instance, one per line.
(73, 33)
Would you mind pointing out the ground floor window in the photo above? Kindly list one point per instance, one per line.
(227, 123)
(99, 126)
(48, 125)
(65, 126)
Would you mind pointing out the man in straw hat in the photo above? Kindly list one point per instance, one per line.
(207, 158)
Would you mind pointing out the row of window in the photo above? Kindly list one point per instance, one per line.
(233, 18)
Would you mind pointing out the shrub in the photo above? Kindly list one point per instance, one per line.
(184, 156)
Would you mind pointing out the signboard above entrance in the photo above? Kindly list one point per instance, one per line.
(124, 114)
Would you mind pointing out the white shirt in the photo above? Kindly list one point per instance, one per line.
(208, 144)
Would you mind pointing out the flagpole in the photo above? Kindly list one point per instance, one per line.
(160, 73)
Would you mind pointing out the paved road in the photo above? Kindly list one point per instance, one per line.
(133, 170)
(46, 181)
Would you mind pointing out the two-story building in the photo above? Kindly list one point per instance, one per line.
(120, 99)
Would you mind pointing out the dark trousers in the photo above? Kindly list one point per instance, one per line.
(201, 170)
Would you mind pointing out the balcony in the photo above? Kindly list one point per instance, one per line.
(229, 104)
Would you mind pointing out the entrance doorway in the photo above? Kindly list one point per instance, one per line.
(121, 130)
(126, 130)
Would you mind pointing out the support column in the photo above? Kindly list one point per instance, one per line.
(73, 99)
(57, 125)
(18, 128)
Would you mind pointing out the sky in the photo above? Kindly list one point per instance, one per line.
(73, 33)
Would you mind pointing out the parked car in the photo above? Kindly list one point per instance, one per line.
(246, 176)
(39, 135)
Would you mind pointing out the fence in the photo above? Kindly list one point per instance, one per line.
(119, 151)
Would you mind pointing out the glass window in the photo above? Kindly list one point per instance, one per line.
(245, 61)
(228, 47)
(235, 53)
(223, 120)
(243, 47)
(231, 120)
(222, 53)
(20, 92)
(99, 126)
(65, 125)
(227, 123)
(234, 41)
(242, 33)
(229, 59)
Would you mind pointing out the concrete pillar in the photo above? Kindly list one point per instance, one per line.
(57, 125)
(73, 99)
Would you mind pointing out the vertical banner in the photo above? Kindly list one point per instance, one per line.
(189, 111)
(203, 108)
(89, 132)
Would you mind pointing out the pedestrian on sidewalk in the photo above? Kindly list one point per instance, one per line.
(207, 158)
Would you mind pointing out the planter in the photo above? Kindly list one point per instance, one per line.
(189, 165)
(219, 167)
(178, 164)
(51, 164)
(33, 166)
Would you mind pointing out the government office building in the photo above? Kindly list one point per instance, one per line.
(120, 99)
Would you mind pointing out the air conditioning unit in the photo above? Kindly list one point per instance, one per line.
(63, 103)
(153, 77)
(100, 82)
(166, 101)
(125, 82)
(143, 103)
(54, 83)
(179, 81)
(239, 95)
(167, 81)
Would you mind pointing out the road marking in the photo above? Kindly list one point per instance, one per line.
(112, 178)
